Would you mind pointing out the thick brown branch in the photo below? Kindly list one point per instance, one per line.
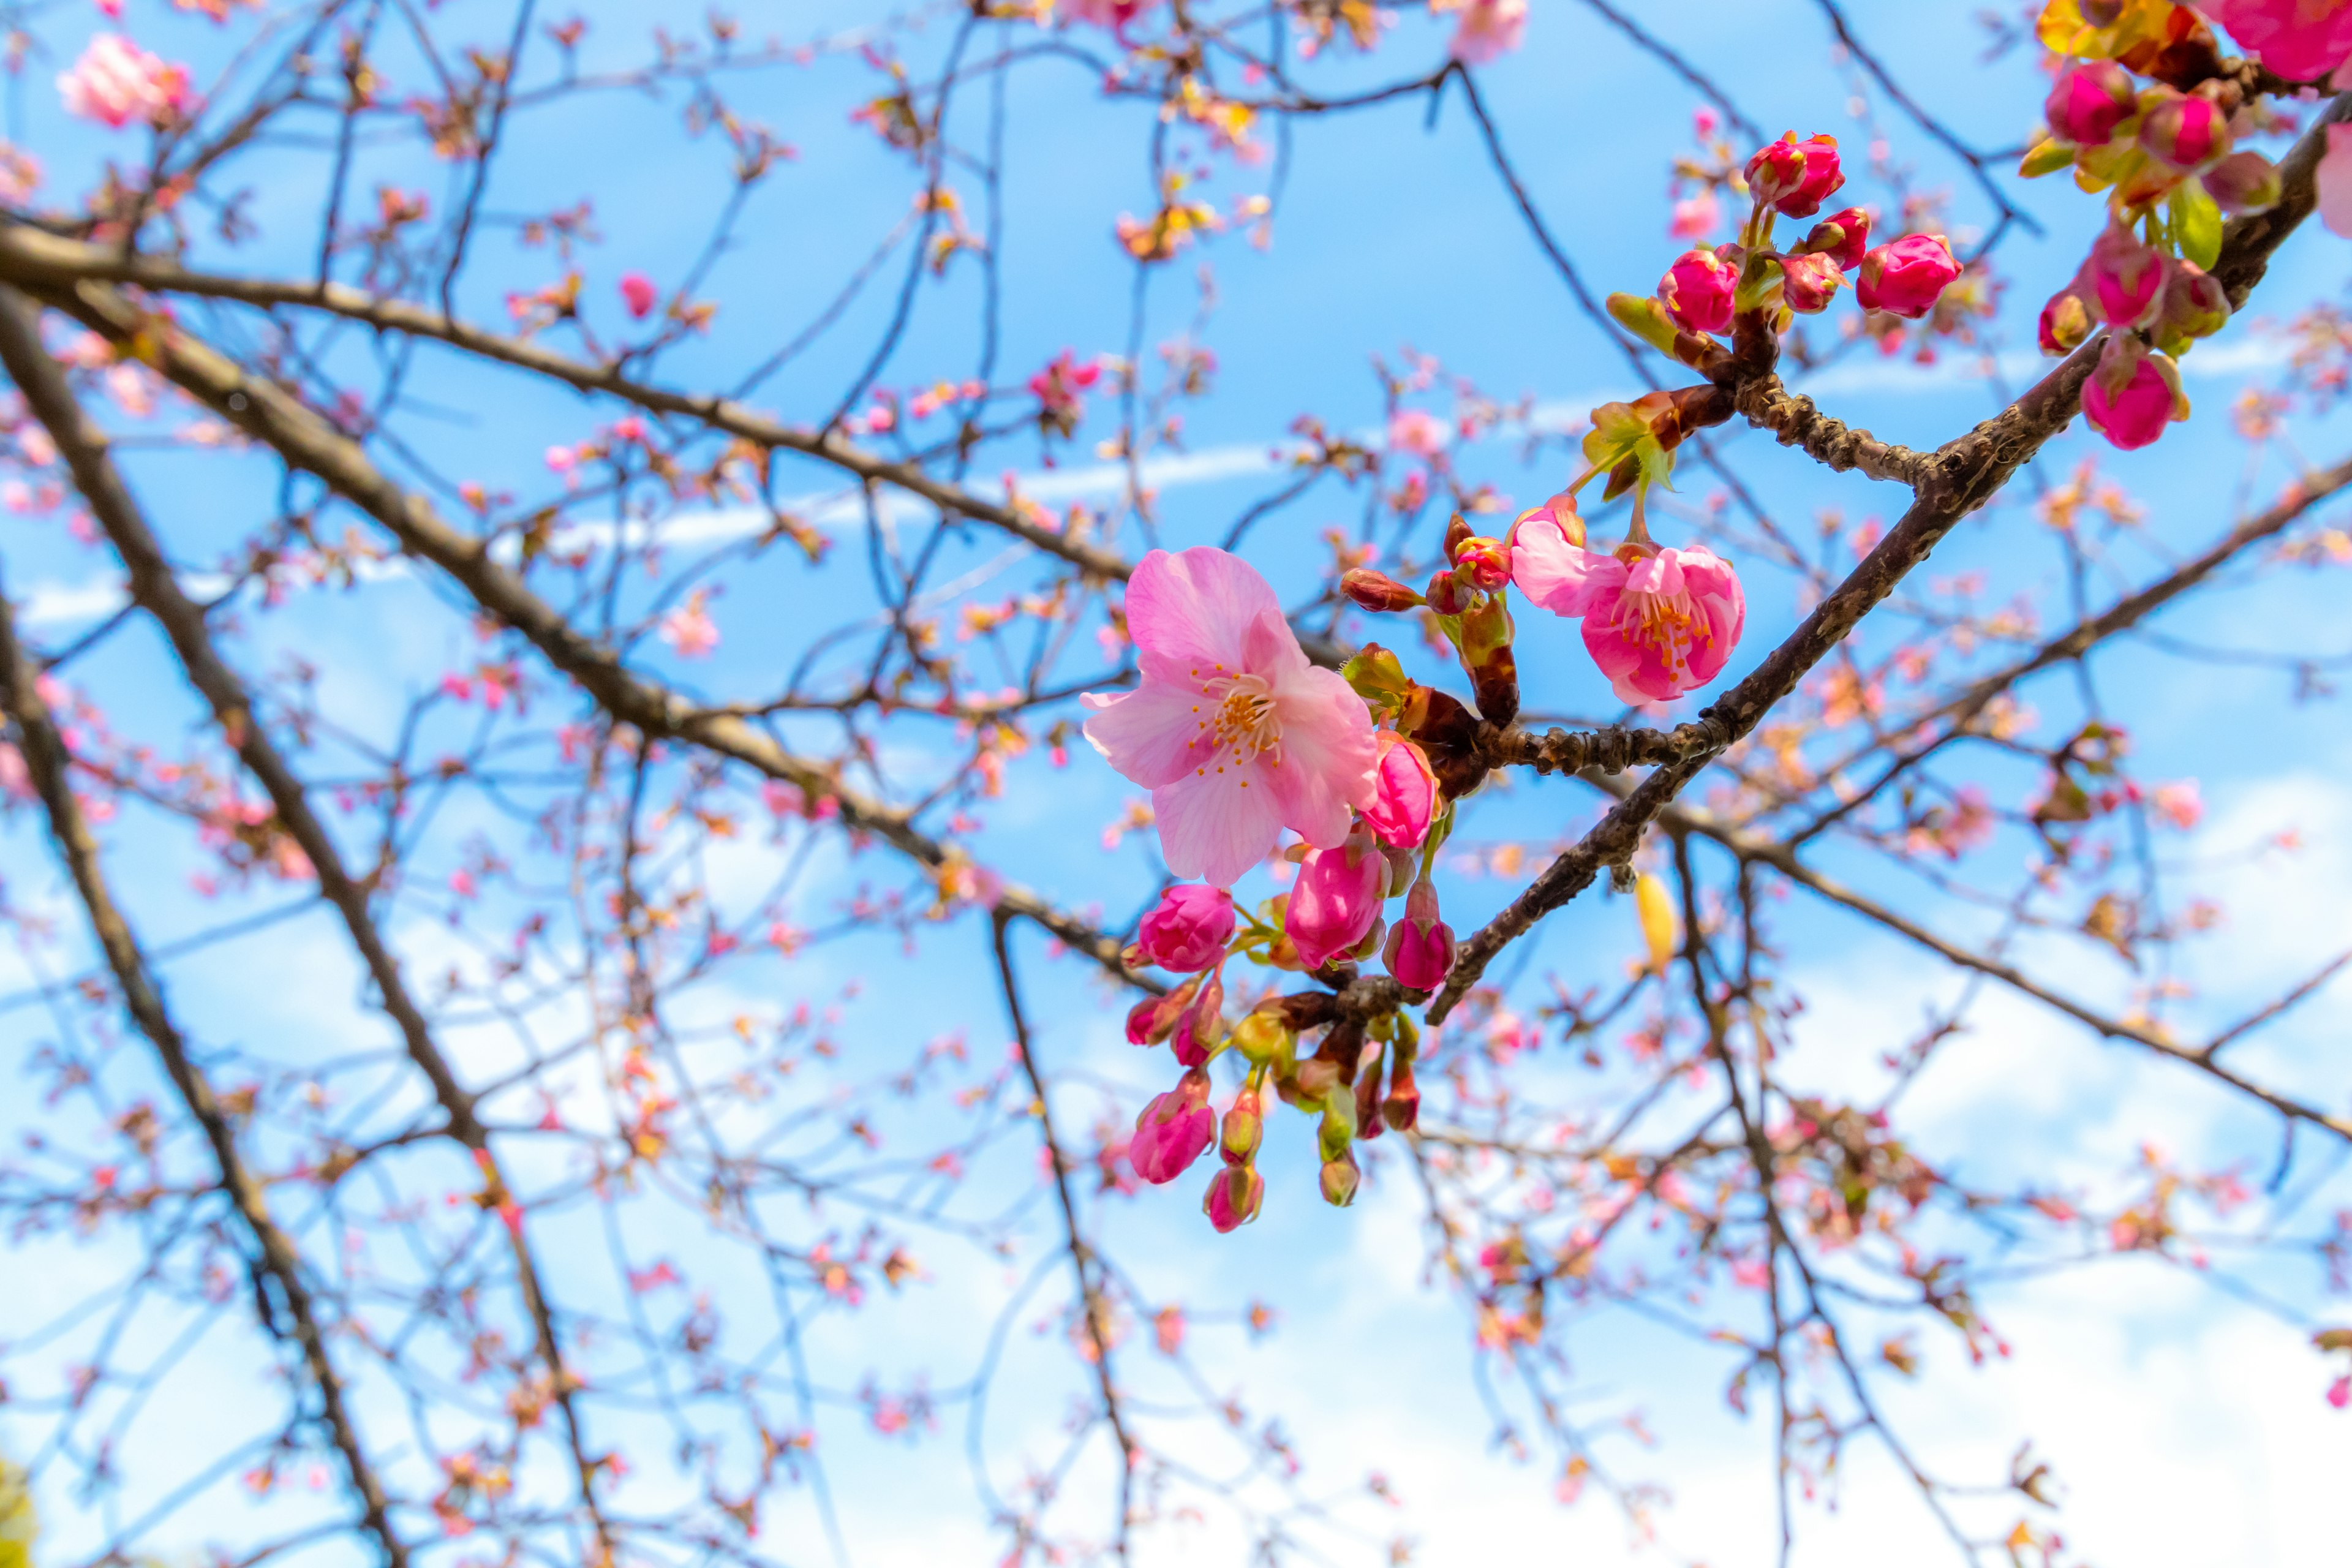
(1795, 421)
(48, 766)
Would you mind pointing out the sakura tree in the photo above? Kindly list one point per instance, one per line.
(688, 881)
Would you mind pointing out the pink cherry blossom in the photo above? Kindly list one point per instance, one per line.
(1235, 733)
(1400, 814)
(1112, 14)
(638, 293)
(1187, 930)
(2335, 181)
(1171, 1130)
(2089, 101)
(2339, 1393)
(1489, 30)
(1658, 622)
(2303, 41)
(1418, 431)
(2180, 804)
(1694, 216)
(689, 629)
(116, 82)
(1337, 902)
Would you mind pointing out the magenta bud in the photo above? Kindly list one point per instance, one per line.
(1406, 800)
(1420, 951)
(1697, 290)
(1187, 930)
(1906, 277)
(2065, 322)
(1202, 1025)
(1796, 177)
(2127, 278)
(2088, 101)
(2184, 132)
(1236, 1195)
(1173, 1131)
(1337, 899)
(1377, 592)
(1810, 282)
(2243, 183)
(1844, 238)
(1447, 595)
(2133, 394)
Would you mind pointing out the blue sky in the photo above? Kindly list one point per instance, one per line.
(2144, 1386)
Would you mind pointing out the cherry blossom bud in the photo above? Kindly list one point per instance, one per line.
(2195, 305)
(1810, 282)
(1236, 1195)
(1906, 277)
(2133, 394)
(1560, 512)
(1338, 1130)
(1336, 901)
(1841, 236)
(1244, 1129)
(1263, 1038)
(638, 293)
(1377, 592)
(1151, 1020)
(1447, 595)
(1482, 563)
(2089, 101)
(2243, 183)
(1487, 660)
(2065, 322)
(1204, 1024)
(1340, 1178)
(2183, 130)
(1794, 176)
(1187, 930)
(1697, 289)
(1402, 1108)
(1173, 1131)
(1377, 676)
(1420, 951)
(2127, 278)
(1407, 799)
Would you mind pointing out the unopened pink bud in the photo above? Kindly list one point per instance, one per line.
(1235, 1194)
(2089, 101)
(1334, 902)
(1377, 592)
(2133, 394)
(1407, 799)
(1906, 277)
(1420, 951)
(1843, 236)
(2065, 322)
(2195, 304)
(1810, 282)
(1402, 1108)
(1187, 930)
(2184, 132)
(1697, 290)
(2243, 183)
(1794, 176)
(1173, 1131)
(1202, 1025)
(2127, 278)
(1446, 594)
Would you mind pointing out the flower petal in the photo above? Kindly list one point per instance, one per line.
(1152, 735)
(1211, 828)
(1193, 610)
(1329, 759)
(1563, 578)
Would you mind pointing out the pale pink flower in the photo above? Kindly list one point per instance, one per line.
(689, 629)
(2180, 804)
(1235, 733)
(1418, 431)
(1696, 216)
(1489, 30)
(1112, 14)
(1658, 622)
(638, 293)
(2300, 39)
(1336, 902)
(2335, 181)
(116, 82)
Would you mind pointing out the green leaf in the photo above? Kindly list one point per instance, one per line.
(1645, 317)
(2197, 224)
(2046, 156)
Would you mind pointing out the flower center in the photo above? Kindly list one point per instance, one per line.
(1668, 623)
(1242, 720)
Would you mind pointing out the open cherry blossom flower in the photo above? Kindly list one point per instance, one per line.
(1658, 622)
(1236, 735)
(116, 82)
(2300, 39)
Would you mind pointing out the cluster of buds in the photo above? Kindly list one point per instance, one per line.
(1707, 289)
(2166, 154)
(1466, 596)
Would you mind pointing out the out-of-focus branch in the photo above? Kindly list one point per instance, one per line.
(48, 765)
(154, 588)
(304, 440)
